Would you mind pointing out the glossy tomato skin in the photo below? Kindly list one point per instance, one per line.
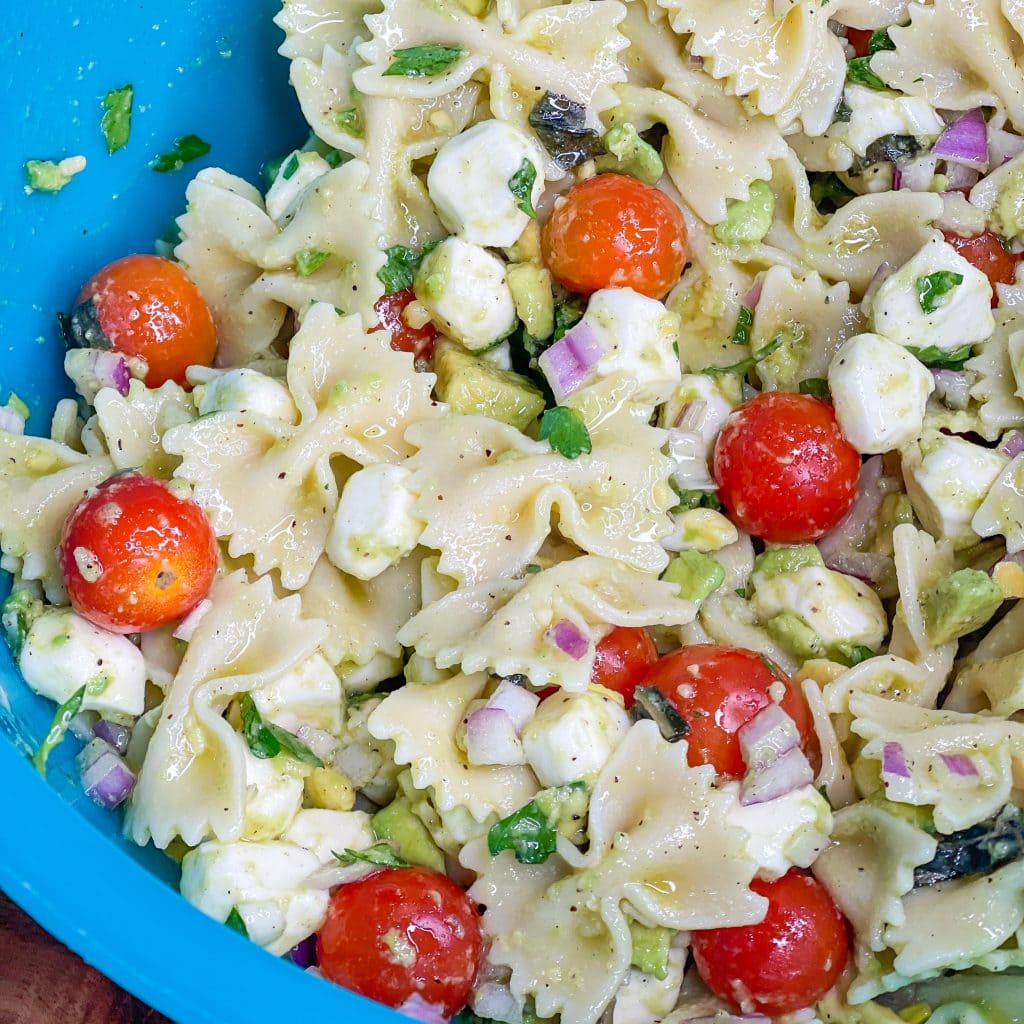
(135, 556)
(144, 305)
(719, 689)
(420, 341)
(785, 471)
(621, 660)
(400, 932)
(988, 254)
(859, 38)
(785, 963)
(615, 232)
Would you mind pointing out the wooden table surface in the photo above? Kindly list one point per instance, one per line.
(43, 982)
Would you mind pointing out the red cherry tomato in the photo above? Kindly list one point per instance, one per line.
(135, 556)
(719, 689)
(616, 232)
(987, 253)
(402, 932)
(146, 306)
(419, 341)
(785, 963)
(859, 38)
(785, 471)
(622, 658)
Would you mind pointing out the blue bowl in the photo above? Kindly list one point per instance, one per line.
(197, 66)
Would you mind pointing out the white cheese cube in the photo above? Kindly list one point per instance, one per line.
(947, 479)
(469, 180)
(325, 833)
(273, 794)
(963, 315)
(879, 390)
(464, 289)
(245, 390)
(297, 172)
(374, 527)
(1002, 511)
(310, 694)
(875, 113)
(572, 735)
(645, 999)
(64, 652)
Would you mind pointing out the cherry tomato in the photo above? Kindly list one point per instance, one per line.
(788, 961)
(622, 658)
(785, 471)
(719, 689)
(145, 306)
(616, 232)
(402, 932)
(419, 341)
(987, 253)
(859, 38)
(135, 556)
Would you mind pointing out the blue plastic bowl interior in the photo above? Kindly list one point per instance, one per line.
(197, 66)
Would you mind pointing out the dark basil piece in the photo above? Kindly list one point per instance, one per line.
(650, 702)
(561, 124)
(894, 148)
(982, 848)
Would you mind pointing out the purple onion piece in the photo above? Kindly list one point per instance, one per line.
(113, 733)
(108, 781)
(303, 954)
(568, 639)
(562, 369)
(419, 1009)
(787, 772)
(894, 762)
(771, 731)
(491, 738)
(965, 141)
(1013, 444)
(959, 764)
(515, 701)
(753, 297)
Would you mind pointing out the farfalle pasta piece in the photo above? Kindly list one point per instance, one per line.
(269, 486)
(1000, 408)
(505, 625)
(729, 619)
(193, 779)
(41, 481)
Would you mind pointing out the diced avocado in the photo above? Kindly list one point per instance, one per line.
(782, 368)
(1008, 213)
(698, 575)
(961, 603)
(47, 176)
(776, 561)
(867, 776)
(398, 824)
(629, 154)
(565, 806)
(919, 817)
(475, 7)
(329, 789)
(792, 633)
(530, 285)
(747, 220)
(474, 387)
(650, 948)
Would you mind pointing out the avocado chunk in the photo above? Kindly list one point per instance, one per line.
(398, 824)
(792, 633)
(776, 561)
(959, 604)
(650, 948)
(530, 285)
(630, 154)
(472, 386)
(698, 575)
(747, 220)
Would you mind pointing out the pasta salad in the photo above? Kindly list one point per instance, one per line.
(553, 553)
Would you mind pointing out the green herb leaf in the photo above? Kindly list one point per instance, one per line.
(816, 386)
(940, 359)
(116, 123)
(236, 924)
(828, 193)
(744, 366)
(423, 61)
(309, 261)
(349, 122)
(531, 568)
(823, 793)
(58, 727)
(186, 148)
(399, 272)
(851, 654)
(744, 321)
(563, 428)
(561, 125)
(567, 315)
(380, 854)
(268, 740)
(290, 167)
(697, 499)
(880, 41)
(521, 186)
(892, 148)
(17, 614)
(933, 288)
(528, 833)
(859, 72)
(335, 157)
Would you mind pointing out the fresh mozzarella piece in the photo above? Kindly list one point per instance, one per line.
(645, 999)
(947, 479)
(325, 833)
(310, 694)
(879, 390)
(297, 172)
(963, 315)
(374, 527)
(572, 735)
(875, 113)
(64, 652)
(264, 882)
(245, 390)
(469, 181)
(1002, 511)
(465, 291)
(273, 794)
(840, 609)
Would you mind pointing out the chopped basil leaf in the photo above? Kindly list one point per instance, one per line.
(348, 121)
(291, 166)
(816, 386)
(116, 123)
(58, 727)
(399, 272)
(423, 61)
(743, 592)
(236, 924)
(939, 359)
(823, 793)
(828, 193)
(980, 849)
(309, 261)
(568, 314)
(744, 321)
(380, 854)
(186, 148)
(563, 428)
(697, 499)
(894, 148)
(744, 366)
(531, 568)
(650, 702)
(561, 125)
(880, 41)
(268, 740)
(531, 833)
(851, 654)
(859, 72)
(933, 288)
(521, 186)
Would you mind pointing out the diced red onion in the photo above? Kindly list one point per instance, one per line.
(491, 738)
(916, 175)
(92, 369)
(696, 61)
(107, 781)
(961, 176)
(876, 280)
(965, 140)
(113, 733)
(954, 387)
(768, 735)
(853, 528)
(11, 420)
(493, 1001)
(688, 451)
(81, 726)
(304, 953)
(959, 764)
(187, 626)
(787, 772)
(894, 762)
(897, 178)
(1003, 146)
(419, 1009)
(568, 639)
(753, 297)
(1013, 444)
(570, 361)
(516, 701)
(691, 416)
